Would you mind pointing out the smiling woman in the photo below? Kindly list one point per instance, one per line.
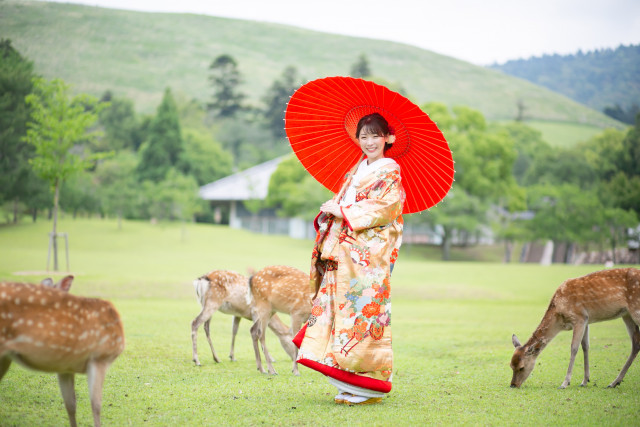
(348, 335)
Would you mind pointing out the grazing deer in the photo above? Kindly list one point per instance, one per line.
(47, 329)
(596, 297)
(227, 291)
(283, 289)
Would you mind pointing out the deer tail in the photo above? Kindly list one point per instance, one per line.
(249, 296)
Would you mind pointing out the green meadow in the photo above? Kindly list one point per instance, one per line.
(452, 331)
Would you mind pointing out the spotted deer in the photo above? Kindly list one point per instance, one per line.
(227, 291)
(44, 328)
(596, 297)
(278, 289)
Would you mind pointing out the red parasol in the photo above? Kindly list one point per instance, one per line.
(321, 120)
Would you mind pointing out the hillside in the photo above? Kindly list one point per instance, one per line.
(598, 79)
(138, 55)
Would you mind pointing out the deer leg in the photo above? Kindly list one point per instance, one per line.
(267, 356)
(578, 333)
(263, 346)
(296, 324)
(234, 332)
(585, 352)
(206, 313)
(207, 332)
(5, 362)
(634, 334)
(95, 380)
(194, 340)
(271, 358)
(284, 335)
(258, 332)
(65, 381)
(255, 336)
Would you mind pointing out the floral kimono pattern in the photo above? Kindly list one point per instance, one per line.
(348, 335)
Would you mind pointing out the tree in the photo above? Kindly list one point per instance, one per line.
(56, 126)
(121, 127)
(16, 74)
(625, 116)
(163, 147)
(559, 166)
(484, 158)
(613, 158)
(361, 69)
(631, 151)
(613, 224)
(249, 142)
(79, 194)
(276, 100)
(225, 79)
(564, 214)
(440, 115)
(176, 197)
(468, 119)
(118, 188)
(604, 153)
(294, 192)
(484, 175)
(459, 213)
(203, 158)
(529, 146)
(622, 192)
(37, 196)
(521, 107)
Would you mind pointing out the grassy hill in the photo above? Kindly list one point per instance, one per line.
(138, 55)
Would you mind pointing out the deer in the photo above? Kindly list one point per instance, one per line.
(227, 291)
(596, 297)
(278, 289)
(44, 328)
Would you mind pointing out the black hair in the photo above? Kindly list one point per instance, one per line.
(374, 123)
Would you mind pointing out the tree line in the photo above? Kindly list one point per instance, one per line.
(509, 180)
(604, 79)
(104, 158)
(108, 160)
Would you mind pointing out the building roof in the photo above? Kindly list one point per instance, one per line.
(250, 184)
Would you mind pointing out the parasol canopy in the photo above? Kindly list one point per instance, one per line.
(321, 120)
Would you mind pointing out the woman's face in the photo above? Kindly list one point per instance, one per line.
(372, 145)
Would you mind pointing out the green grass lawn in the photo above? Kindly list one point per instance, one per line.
(452, 339)
(564, 135)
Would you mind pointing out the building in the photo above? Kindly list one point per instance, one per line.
(230, 194)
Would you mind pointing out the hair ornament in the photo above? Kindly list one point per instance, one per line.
(392, 135)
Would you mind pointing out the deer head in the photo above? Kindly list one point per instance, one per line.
(522, 362)
(63, 284)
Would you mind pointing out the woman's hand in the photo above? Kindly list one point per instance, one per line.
(332, 208)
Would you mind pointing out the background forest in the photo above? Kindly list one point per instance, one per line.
(605, 80)
(137, 142)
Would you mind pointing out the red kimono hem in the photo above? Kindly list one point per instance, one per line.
(339, 374)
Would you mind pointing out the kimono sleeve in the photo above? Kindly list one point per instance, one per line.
(376, 211)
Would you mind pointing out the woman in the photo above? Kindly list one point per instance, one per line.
(359, 231)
